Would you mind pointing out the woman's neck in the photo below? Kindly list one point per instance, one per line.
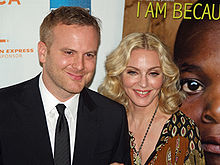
(138, 116)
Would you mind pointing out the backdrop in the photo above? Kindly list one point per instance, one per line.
(19, 35)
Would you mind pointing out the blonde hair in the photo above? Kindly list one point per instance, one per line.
(170, 95)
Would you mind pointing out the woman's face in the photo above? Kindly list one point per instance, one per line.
(200, 79)
(142, 79)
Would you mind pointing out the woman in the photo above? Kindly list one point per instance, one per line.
(142, 77)
(197, 53)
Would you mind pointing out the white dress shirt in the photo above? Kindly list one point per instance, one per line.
(49, 103)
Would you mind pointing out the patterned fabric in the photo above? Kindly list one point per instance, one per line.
(179, 143)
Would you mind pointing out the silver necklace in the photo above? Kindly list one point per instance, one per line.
(137, 158)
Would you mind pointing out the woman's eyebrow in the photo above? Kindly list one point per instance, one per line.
(155, 67)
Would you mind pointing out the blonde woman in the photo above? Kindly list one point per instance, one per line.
(141, 75)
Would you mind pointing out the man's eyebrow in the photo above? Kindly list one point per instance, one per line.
(93, 51)
(195, 70)
(185, 67)
(65, 49)
(72, 50)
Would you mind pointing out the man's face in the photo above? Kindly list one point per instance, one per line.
(69, 63)
(200, 77)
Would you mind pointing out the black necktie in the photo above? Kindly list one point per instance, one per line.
(62, 139)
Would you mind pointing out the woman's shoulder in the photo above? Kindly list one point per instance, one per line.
(184, 118)
(182, 125)
(180, 140)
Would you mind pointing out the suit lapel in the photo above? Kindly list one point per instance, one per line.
(86, 129)
(32, 115)
(34, 121)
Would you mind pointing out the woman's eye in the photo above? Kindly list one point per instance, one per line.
(192, 86)
(131, 72)
(154, 74)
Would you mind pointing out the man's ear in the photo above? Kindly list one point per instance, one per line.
(42, 52)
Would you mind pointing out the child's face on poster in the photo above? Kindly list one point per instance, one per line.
(200, 79)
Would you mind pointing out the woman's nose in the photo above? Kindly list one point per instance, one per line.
(143, 81)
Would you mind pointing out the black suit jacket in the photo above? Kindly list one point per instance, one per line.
(101, 131)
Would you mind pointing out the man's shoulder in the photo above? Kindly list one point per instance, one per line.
(106, 109)
(101, 100)
(17, 88)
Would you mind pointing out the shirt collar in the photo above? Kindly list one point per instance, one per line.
(50, 101)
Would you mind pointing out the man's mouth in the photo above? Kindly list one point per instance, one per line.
(76, 76)
(211, 144)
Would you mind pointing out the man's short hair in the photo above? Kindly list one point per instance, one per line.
(66, 16)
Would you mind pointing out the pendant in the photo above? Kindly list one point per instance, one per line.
(137, 160)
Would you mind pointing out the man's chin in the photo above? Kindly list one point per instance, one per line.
(76, 88)
(212, 158)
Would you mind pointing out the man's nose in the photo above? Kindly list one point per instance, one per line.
(211, 113)
(78, 62)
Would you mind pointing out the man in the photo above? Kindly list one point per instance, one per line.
(197, 55)
(53, 118)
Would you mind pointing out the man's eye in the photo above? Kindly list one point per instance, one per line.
(68, 52)
(192, 86)
(90, 55)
